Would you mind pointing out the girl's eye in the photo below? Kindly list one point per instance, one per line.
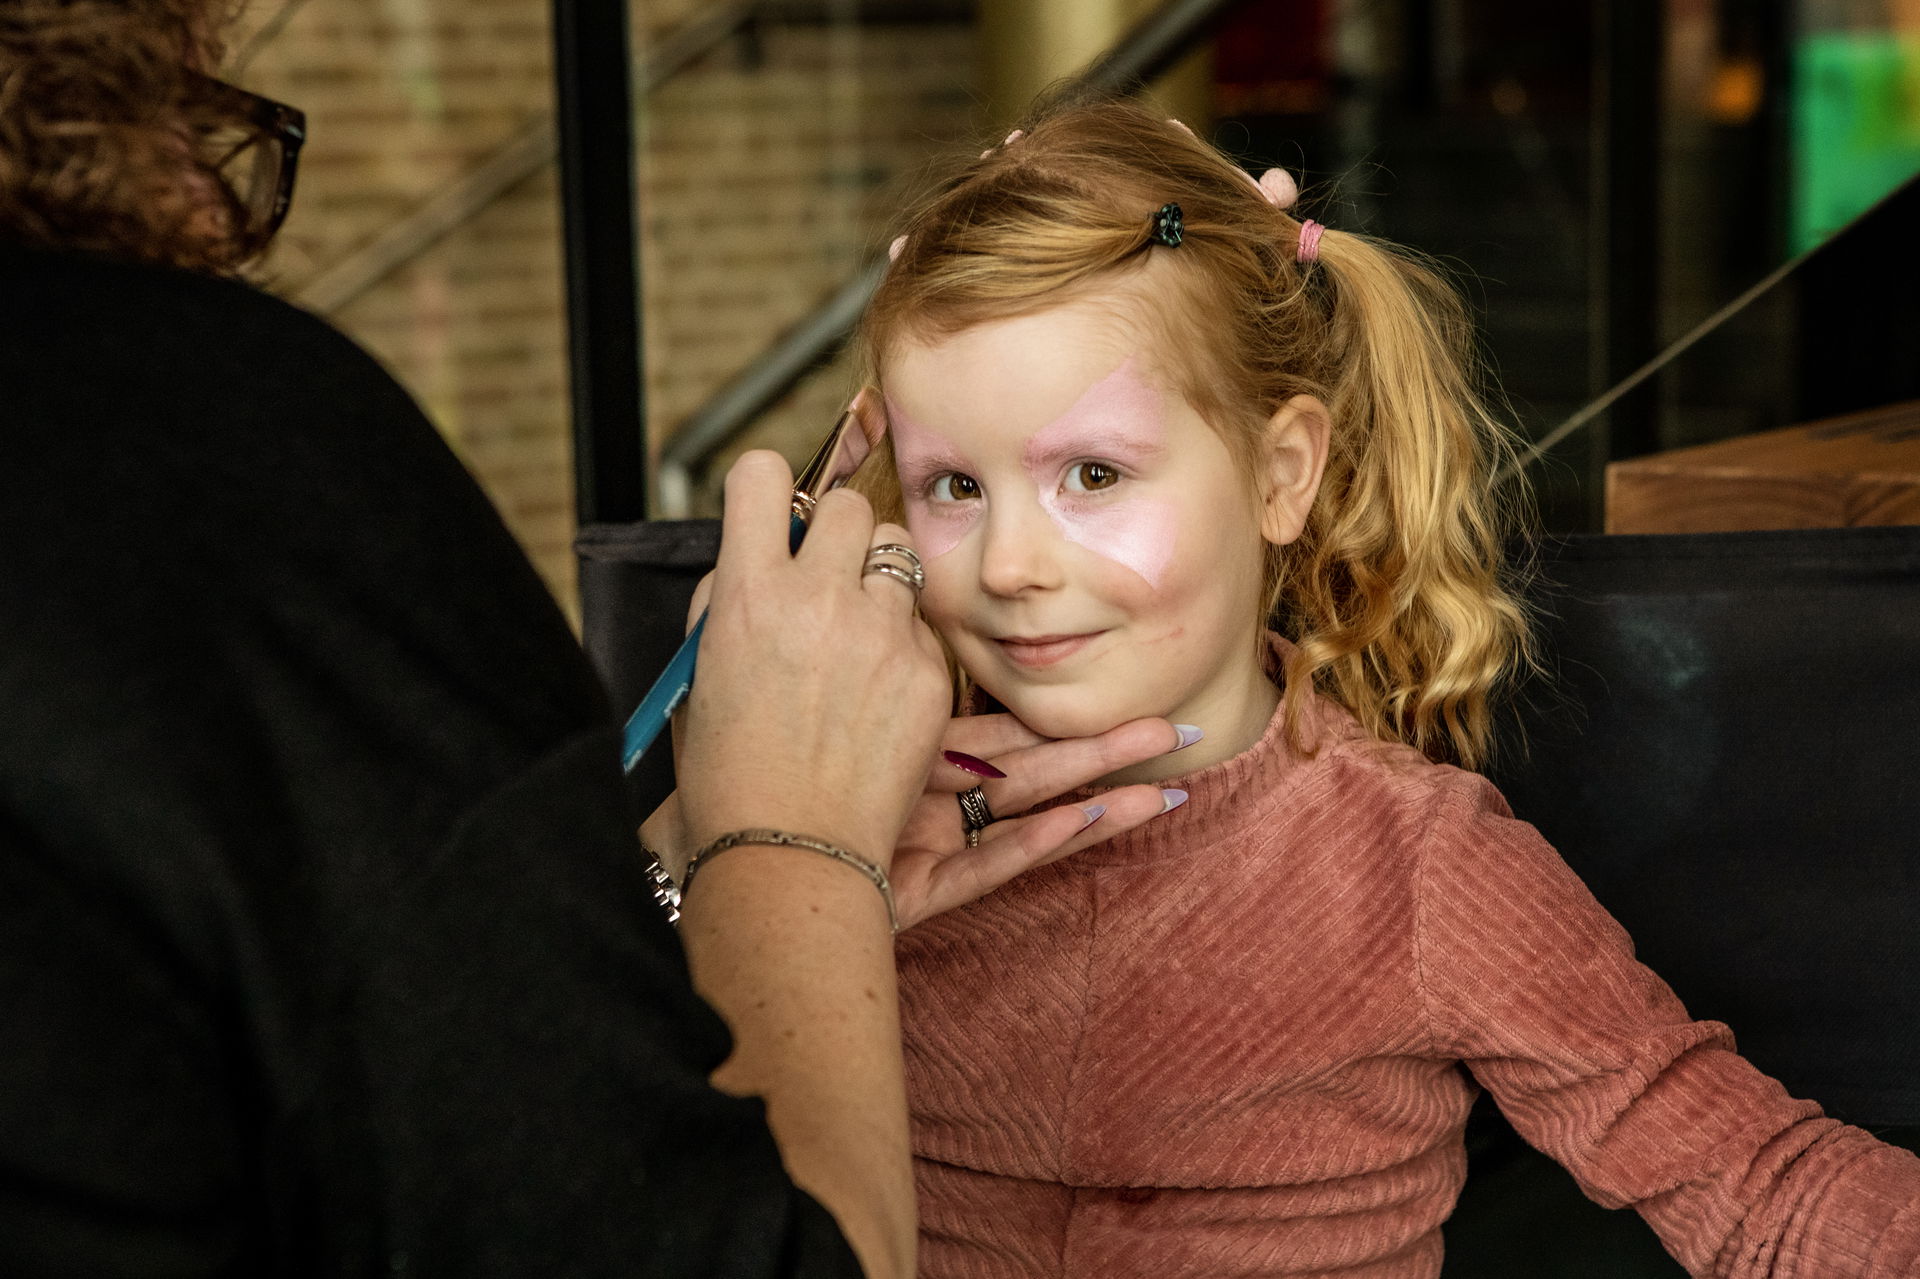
(1091, 477)
(954, 487)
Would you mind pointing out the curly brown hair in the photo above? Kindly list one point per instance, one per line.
(102, 106)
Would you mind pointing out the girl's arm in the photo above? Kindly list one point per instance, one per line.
(1597, 1063)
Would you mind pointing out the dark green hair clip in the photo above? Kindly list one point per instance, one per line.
(1167, 226)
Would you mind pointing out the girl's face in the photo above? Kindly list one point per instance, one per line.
(1093, 552)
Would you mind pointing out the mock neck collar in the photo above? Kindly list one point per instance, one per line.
(1233, 797)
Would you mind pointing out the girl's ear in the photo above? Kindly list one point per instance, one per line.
(1294, 454)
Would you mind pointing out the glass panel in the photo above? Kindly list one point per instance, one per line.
(1461, 130)
(768, 170)
(1599, 179)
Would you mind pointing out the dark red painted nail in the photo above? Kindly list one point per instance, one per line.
(978, 767)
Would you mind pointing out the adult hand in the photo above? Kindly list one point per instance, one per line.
(934, 870)
(820, 696)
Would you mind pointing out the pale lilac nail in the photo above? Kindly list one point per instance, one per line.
(1171, 798)
(971, 763)
(1094, 813)
(1189, 734)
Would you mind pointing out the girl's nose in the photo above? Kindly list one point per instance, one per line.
(1021, 551)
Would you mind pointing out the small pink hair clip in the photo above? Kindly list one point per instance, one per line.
(1308, 250)
(1012, 138)
(1279, 188)
(893, 250)
(1276, 186)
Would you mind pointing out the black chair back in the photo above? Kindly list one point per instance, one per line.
(1722, 748)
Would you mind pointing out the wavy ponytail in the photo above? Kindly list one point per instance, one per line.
(1397, 592)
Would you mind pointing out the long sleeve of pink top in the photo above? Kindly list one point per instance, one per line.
(1236, 1043)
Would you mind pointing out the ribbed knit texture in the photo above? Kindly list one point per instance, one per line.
(1229, 1043)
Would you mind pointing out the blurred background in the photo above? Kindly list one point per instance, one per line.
(1599, 178)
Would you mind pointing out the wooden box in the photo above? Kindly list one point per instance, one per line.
(1860, 469)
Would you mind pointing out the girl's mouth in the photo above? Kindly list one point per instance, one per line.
(1036, 651)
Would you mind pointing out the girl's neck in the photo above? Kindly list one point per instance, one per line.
(1233, 711)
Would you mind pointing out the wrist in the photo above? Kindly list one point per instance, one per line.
(771, 837)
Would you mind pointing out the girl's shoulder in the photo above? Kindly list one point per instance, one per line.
(1452, 825)
(1430, 799)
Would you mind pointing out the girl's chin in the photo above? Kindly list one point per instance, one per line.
(1057, 716)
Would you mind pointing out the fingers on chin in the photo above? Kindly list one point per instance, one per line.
(1138, 740)
(990, 735)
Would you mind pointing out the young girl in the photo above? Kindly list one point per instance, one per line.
(1137, 409)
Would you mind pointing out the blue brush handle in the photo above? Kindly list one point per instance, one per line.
(656, 709)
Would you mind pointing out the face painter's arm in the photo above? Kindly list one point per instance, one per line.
(818, 711)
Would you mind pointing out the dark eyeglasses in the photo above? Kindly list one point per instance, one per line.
(257, 151)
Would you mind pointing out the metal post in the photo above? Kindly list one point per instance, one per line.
(1624, 281)
(594, 111)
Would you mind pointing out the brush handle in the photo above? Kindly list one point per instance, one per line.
(656, 709)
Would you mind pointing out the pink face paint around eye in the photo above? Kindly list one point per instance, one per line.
(919, 453)
(1122, 417)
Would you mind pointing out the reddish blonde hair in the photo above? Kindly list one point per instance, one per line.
(1397, 595)
(99, 112)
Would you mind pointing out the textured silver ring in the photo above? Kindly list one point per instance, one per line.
(974, 811)
(904, 551)
(898, 574)
(912, 572)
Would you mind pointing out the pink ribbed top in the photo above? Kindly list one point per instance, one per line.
(1231, 1043)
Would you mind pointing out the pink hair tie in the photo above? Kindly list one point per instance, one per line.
(1309, 247)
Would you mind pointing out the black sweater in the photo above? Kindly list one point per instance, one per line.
(323, 946)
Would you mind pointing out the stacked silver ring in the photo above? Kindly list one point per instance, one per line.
(881, 559)
(974, 814)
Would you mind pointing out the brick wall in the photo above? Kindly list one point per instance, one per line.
(767, 172)
(768, 181)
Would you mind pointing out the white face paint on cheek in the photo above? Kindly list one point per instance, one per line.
(936, 527)
(1137, 533)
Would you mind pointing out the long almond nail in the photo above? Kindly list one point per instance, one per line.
(1171, 798)
(1189, 734)
(1094, 813)
(971, 763)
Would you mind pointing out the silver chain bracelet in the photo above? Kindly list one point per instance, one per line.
(784, 839)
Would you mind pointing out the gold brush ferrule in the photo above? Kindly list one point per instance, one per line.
(831, 465)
